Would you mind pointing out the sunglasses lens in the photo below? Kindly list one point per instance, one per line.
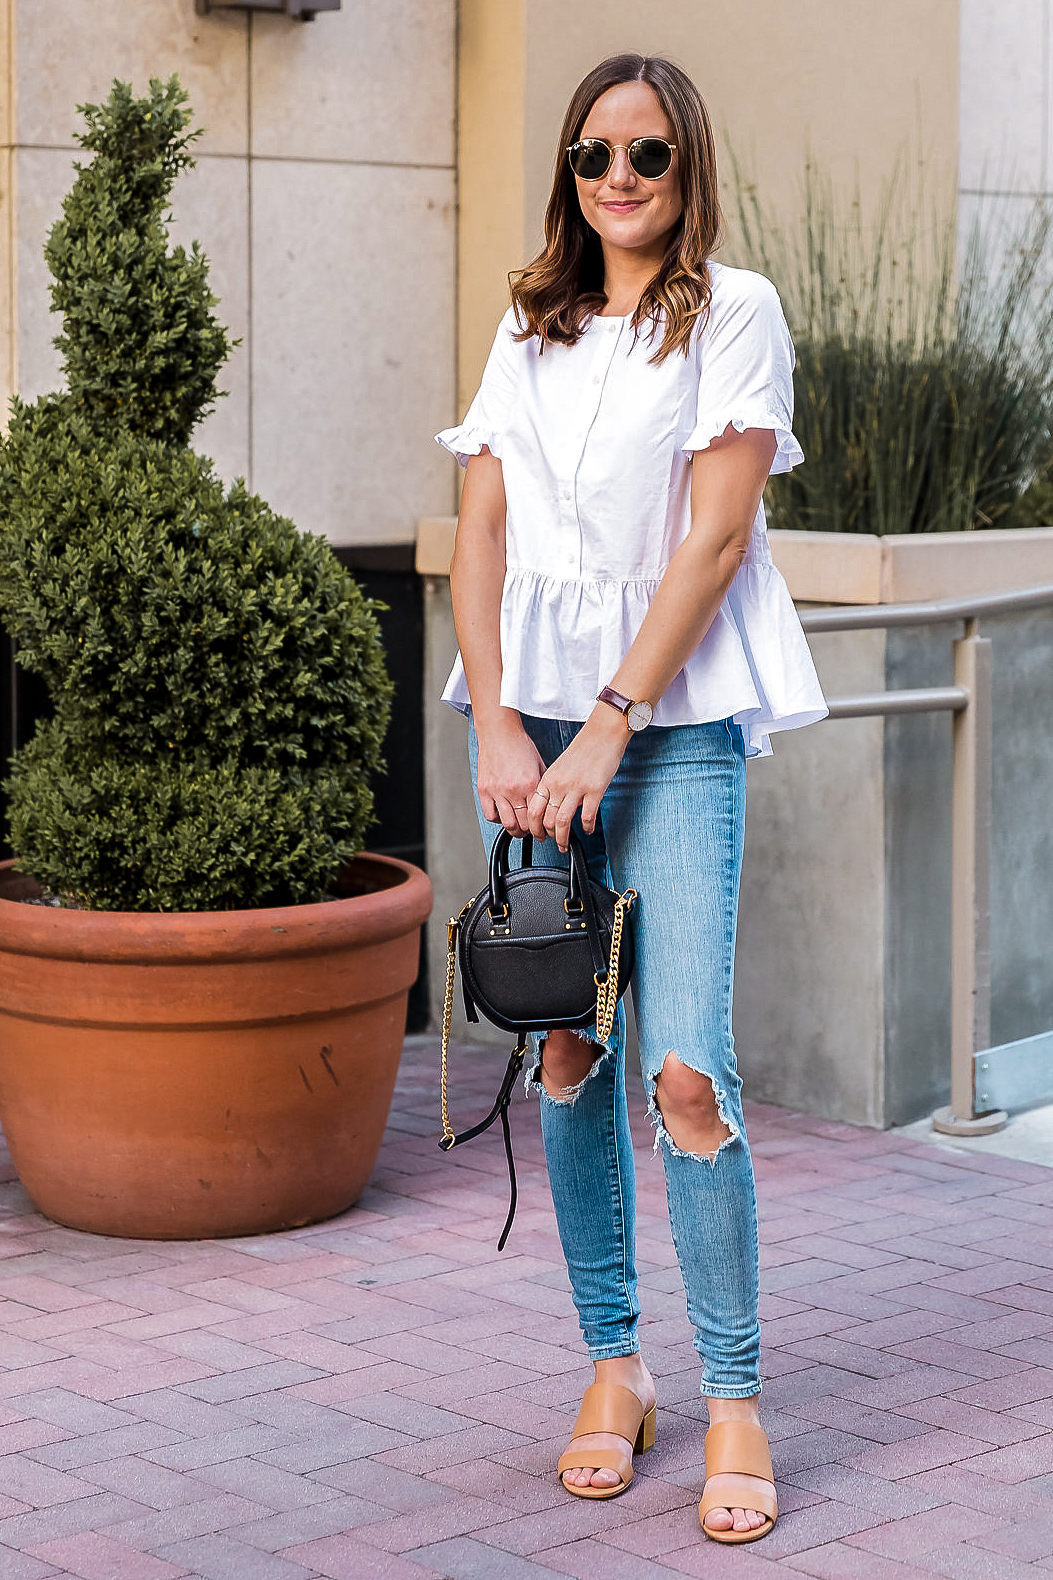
(650, 157)
(590, 159)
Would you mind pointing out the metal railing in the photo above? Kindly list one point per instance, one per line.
(981, 1076)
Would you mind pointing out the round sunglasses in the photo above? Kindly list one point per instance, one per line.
(592, 157)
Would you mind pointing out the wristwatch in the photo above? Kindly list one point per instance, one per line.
(637, 715)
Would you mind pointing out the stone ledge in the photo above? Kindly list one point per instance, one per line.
(836, 567)
(435, 535)
(850, 568)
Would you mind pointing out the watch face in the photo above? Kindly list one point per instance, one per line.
(639, 715)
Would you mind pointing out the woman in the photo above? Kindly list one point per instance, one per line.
(625, 644)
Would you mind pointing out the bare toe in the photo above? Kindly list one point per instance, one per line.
(734, 1520)
(584, 1477)
(605, 1478)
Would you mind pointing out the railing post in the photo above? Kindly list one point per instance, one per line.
(970, 888)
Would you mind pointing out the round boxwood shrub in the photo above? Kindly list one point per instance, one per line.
(218, 686)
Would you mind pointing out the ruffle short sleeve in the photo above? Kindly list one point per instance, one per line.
(488, 415)
(747, 361)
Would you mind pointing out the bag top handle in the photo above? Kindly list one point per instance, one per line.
(577, 874)
(579, 894)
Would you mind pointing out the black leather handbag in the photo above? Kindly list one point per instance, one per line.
(540, 948)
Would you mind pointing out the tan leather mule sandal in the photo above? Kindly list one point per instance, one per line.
(608, 1407)
(737, 1451)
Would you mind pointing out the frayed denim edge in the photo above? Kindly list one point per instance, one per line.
(569, 1095)
(661, 1133)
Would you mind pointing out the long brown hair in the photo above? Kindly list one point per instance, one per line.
(558, 293)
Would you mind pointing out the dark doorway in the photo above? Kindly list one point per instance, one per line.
(388, 573)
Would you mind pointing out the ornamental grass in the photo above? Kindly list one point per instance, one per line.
(924, 378)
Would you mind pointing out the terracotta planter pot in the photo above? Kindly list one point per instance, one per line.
(184, 1075)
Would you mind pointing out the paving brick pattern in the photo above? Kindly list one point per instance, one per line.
(383, 1397)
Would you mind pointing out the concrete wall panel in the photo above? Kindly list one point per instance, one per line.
(69, 52)
(809, 967)
(43, 177)
(210, 204)
(918, 826)
(1022, 837)
(917, 773)
(347, 365)
(352, 344)
(1004, 94)
(8, 277)
(377, 84)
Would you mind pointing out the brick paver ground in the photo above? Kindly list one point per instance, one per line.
(383, 1397)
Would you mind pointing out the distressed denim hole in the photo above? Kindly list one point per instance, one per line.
(568, 1095)
(662, 1134)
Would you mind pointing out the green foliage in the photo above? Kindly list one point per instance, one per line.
(1034, 508)
(139, 344)
(122, 834)
(220, 697)
(924, 382)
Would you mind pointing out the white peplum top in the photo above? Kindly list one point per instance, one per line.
(595, 443)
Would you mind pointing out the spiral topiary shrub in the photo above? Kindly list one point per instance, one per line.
(218, 685)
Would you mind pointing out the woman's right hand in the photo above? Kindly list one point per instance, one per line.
(510, 766)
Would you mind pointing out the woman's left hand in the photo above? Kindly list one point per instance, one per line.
(578, 777)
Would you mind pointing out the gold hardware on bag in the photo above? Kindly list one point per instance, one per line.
(452, 929)
(607, 991)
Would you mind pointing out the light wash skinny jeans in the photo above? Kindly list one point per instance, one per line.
(670, 826)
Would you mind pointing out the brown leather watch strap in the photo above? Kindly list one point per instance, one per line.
(615, 698)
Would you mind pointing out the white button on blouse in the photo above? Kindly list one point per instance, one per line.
(595, 444)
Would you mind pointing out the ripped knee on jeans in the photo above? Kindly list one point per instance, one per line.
(569, 1066)
(689, 1111)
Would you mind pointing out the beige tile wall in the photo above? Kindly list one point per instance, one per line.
(380, 83)
(324, 196)
(1005, 133)
(42, 176)
(8, 236)
(1005, 90)
(353, 344)
(69, 52)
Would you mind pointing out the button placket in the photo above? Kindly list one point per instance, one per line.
(570, 552)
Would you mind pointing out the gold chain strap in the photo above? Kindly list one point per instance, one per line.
(447, 1017)
(607, 992)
